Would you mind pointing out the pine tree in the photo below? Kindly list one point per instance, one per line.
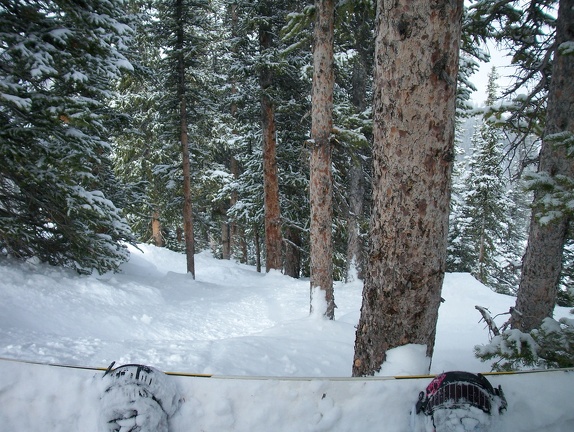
(458, 251)
(183, 33)
(352, 117)
(241, 64)
(321, 180)
(542, 262)
(416, 67)
(140, 157)
(273, 235)
(526, 31)
(484, 205)
(59, 63)
(485, 239)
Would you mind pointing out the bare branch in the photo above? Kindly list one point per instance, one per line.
(488, 320)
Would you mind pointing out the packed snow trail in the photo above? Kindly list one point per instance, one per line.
(151, 314)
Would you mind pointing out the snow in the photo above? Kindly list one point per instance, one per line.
(21, 103)
(290, 369)
(406, 360)
(566, 48)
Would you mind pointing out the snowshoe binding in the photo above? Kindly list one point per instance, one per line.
(458, 402)
(137, 398)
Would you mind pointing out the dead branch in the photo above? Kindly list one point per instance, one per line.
(488, 320)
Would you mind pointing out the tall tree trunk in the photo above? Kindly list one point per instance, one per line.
(321, 183)
(273, 237)
(542, 263)
(354, 243)
(187, 208)
(416, 64)
(356, 191)
(181, 90)
(243, 245)
(230, 229)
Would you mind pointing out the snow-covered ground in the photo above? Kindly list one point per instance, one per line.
(232, 320)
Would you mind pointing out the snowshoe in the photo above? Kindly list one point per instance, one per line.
(457, 402)
(137, 398)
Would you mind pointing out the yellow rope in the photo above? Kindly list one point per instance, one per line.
(283, 378)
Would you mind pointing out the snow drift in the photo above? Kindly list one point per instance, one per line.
(232, 320)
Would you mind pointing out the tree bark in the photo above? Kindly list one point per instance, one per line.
(416, 65)
(359, 78)
(156, 229)
(236, 234)
(273, 237)
(320, 184)
(257, 249)
(542, 262)
(354, 243)
(231, 227)
(181, 90)
(187, 207)
(225, 239)
(292, 253)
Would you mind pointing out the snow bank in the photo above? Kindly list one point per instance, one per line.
(64, 400)
(232, 320)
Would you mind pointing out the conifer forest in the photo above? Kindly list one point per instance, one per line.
(328, 140)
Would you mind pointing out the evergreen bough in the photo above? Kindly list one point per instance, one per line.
(550, 346)
(58, 60)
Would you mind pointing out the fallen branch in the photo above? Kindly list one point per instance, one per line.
(488, 320)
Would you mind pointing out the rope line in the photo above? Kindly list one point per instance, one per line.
(284, 378)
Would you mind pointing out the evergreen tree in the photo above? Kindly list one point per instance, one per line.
(416, 67)
(59, 61)
(542, 264)
(484, 238)
(240, 92)
(458, 251)
(352, 117)
(484, 216)
(183, 34)
(141, 159)
(526, 31)
(321, 179)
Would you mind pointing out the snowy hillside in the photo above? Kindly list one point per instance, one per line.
(232, 321)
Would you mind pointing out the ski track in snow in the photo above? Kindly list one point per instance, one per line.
(232, 320)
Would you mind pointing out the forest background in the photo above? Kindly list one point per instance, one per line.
(102, 101)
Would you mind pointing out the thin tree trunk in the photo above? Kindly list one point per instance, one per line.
(292, 253)
(320, 184)
(354, 244)
(542, 262)
(481, 251)
(257, 249)
(356, 191)
(187, 208)
(416, 56)
(225, 239)
(156, 229)
(234, 230)
(243, 245)
(273, 237)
